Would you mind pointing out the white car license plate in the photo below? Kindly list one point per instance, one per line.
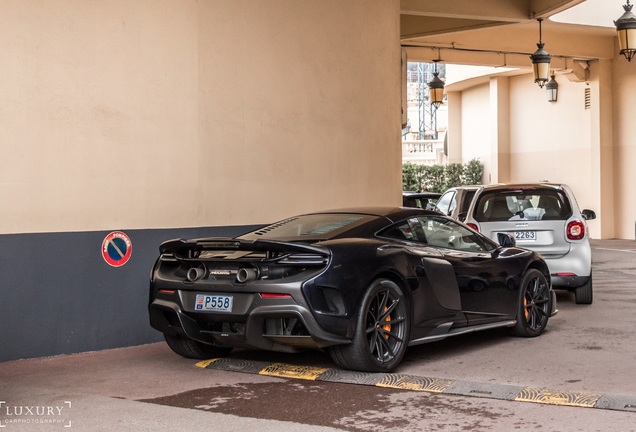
(213, 303)
(525, 235)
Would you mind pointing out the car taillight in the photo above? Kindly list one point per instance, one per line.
(575, 230)
(473, 226)
(274, 296)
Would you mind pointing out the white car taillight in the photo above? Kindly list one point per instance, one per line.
(575, 230)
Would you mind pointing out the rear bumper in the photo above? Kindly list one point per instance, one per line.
(260, 328)
(568, 282)
(572, 269)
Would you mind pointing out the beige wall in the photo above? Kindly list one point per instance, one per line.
(96, 97)
(175, 113)
(475, 127)
(550, 141)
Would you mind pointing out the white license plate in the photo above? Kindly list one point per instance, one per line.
(525, 235)
(213, 303)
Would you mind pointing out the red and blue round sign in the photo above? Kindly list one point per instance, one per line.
(116, 249)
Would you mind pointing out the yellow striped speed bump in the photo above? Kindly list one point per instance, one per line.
(205, 363)
(551, 397)
(427, 384)
(282, 370)
(415, 383)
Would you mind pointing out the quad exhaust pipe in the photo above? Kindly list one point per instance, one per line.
(246, 274)
(195, 273)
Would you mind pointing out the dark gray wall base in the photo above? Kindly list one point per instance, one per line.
(59, 296)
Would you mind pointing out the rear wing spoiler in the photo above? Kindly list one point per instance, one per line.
(191, 248)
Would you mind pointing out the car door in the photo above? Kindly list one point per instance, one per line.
(485, 288)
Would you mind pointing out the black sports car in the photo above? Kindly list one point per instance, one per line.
(363, 284)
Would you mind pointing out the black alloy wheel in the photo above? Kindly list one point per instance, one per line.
(382, 331)
(534, 305)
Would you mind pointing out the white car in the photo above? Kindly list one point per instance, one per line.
(545, 218)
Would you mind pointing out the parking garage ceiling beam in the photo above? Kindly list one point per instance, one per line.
(430, 17)
(486, 10)
(546, 8)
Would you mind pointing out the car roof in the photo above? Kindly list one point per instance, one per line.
(392, 213)
(508, 186)
(367, 219)
(421, 194)
(465, 187)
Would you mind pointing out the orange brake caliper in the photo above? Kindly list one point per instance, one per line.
(387, 326)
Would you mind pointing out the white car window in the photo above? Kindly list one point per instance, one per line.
(444, 203)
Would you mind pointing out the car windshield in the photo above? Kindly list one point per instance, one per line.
(522, 204)
(313, 226)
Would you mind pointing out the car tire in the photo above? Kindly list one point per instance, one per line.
(583, 294)
(382, 331)
(193, 349)
(534, 305)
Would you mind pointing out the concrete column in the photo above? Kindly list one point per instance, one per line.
(454, 131)
(602, 149)
(500, 129)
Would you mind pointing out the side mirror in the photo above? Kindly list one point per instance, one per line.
(588, 214)
(506, 240)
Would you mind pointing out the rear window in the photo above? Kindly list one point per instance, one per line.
(522, 204)
(314, 226)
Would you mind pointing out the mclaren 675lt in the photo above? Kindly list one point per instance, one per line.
(361, 284)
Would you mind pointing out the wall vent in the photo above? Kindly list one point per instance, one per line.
(588, 101)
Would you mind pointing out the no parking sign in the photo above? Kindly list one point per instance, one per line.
(116, 249)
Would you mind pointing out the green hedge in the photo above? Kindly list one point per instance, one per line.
(438, 178)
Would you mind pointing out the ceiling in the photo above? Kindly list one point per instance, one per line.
(498, 32)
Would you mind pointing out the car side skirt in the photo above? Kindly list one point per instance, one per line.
(444, 331)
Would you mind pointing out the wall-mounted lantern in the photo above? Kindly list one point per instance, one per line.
(552, 89)
(626, 30)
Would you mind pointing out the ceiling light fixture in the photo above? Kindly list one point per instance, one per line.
(541, 61)
(436, 87)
